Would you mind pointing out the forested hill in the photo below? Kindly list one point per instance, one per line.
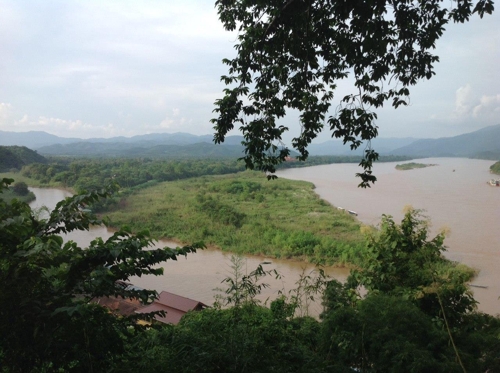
(15, 157)
(40, 139)
(484, 144)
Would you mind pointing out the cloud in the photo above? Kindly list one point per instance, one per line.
(5, 112)
(488, 106)
(174, 122)
(463, 97)
(469, 106)
(63, 127)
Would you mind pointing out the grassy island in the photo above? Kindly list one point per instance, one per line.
(495, 168)
(244, 213)
(411, 166)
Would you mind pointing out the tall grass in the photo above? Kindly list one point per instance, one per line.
(244, 213)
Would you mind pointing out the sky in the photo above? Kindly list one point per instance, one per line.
(123, 68)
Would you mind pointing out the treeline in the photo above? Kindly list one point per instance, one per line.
(92, 174)
(495, 168)
(414, 316)
(329, 159)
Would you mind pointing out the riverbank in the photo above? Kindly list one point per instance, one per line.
(18, 177)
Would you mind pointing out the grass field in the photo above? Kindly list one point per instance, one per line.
(244, 213)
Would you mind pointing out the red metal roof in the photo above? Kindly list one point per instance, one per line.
(174, 305)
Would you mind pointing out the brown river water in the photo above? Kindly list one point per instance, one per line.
(454, 194)
(198, 275)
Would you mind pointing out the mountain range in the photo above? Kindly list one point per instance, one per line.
(484, 143)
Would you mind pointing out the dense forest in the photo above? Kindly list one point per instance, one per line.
(91, 174)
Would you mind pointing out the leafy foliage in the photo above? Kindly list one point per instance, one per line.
(418, 314)
(46, 320)
(401, 260)
(292, 54)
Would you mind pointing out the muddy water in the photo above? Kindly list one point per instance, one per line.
(197, 275)
(454, 194)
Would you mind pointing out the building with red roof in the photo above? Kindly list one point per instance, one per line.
(175, 306)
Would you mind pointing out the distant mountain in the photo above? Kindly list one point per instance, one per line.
(178, 138)
(141, 149)
(484, 143)
(381, 145)
(39, 139)
(15, 157)
(32, 139)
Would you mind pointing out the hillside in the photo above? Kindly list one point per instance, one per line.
(483, 143)
(15, 157)
(381, 145)
(40, 139)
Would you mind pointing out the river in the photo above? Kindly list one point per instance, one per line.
(198, 275)
(454, 194)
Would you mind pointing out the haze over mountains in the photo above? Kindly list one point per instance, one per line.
(484, 143)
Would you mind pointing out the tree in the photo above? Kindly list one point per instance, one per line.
(402, 260)
(418, 314)
(47, 321)
(20, 188)
(291, 54)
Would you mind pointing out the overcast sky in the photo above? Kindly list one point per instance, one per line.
(111, 68)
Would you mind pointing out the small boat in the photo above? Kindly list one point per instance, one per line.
(479, 286)
(352, 212)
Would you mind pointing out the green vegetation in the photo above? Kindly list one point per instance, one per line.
(415, 316)
(411, 166)
(329, 159)
(244, 213)
(19, 191)
(15, 157)
(47, 321)
(495, 168)
(92, 174)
